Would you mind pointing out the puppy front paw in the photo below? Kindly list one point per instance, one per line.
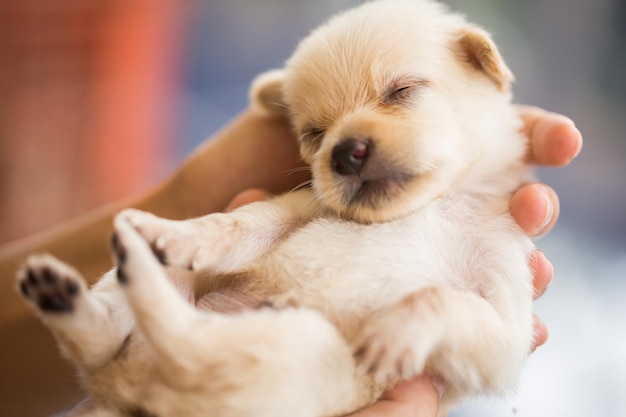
(172, 242)
(49, 284)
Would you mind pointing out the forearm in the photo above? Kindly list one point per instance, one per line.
(251, 152)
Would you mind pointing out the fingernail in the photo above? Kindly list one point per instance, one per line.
(549, 213)
(580, 142)
(551, 273)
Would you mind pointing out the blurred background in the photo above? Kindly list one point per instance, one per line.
(100, 99)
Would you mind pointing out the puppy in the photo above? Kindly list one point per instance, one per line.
(399, 259)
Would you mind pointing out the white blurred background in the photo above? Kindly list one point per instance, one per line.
(82, 83)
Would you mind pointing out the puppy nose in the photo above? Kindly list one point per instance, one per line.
(349, 156)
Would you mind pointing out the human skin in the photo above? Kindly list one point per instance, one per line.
(252, 152)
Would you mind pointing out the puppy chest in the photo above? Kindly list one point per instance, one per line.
(342, 263)
(332, 262)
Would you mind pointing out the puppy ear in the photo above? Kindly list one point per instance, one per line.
(477, 49)
(266, 93)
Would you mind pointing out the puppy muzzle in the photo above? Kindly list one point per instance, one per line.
(350, 155)
(364, 176)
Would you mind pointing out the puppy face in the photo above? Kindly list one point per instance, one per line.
(390, 102)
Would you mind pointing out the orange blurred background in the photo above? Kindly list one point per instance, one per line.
(86, 105)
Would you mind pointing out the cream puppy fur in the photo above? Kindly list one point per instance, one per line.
(400, 258)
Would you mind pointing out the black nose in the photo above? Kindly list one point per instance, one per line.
(349, 156)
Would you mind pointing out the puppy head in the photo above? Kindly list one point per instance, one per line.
(395, 103)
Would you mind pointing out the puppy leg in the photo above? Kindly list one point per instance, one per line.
(460, 334)
(287, 363)
(164, 317)
(262, 363)
(224, 242)
(90, 326)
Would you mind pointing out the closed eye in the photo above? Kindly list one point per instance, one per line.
(400, 90)
(403, 91)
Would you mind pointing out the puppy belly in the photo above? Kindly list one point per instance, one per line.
(290, 363)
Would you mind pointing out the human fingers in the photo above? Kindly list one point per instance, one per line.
(543, 272)
(554, 139)
(541, 333)
(245, 197)
(535, 207)
(417, 397)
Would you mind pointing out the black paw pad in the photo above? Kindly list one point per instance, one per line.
(118, 249)
(122, 278)
(72, 288)
(24, 289)
(159, 254)
(31, 277)
(52, 290)
(55, 303)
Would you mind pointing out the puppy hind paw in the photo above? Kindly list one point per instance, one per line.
(384, 362)
(49, 284)
(385, 365)
(390, 351)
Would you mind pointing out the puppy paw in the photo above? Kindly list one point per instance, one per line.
(136, 265)
(169, 240)
(120, 254)
(132, 254)
(49, 284)
(196, 244)
(387, 356)
(397, 343)
(176, 243)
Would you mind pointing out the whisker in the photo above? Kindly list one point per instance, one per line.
(302, 185)
(297, 169)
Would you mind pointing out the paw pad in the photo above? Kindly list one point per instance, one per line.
(119, 251)
(52, 288)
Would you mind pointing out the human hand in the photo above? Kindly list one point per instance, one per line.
(554, 141)
(415, 397)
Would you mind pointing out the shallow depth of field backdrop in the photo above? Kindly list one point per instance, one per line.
(100, 99)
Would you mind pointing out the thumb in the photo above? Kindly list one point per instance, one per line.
(416, 397)
(245, 197)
